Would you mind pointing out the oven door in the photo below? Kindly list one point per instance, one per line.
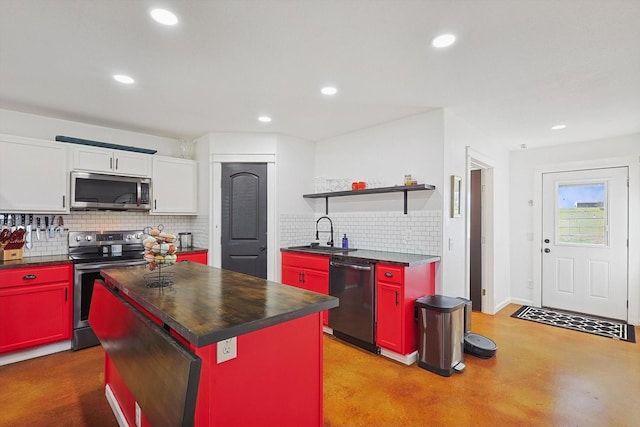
(84, 277)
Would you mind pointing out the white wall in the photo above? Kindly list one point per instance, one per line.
(294, 173)
(46, 128)
(524, 167)
(458, 136)
(386, 153)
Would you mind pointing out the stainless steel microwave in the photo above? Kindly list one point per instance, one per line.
(109, 192)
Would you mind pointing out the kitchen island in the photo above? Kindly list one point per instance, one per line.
(217, 348)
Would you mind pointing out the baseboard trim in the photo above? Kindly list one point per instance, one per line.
(502, 305)
(407, 359)
(115, 407)
(521, 301)
(32, 353)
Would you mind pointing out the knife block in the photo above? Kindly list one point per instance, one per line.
(12, 250)
(9, 254)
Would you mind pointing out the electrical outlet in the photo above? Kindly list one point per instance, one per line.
(138, 415)
(227, 349)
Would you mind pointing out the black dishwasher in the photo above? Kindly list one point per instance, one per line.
(354, 320)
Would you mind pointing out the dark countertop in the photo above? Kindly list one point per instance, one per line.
(36, 261)
(406, 260)
(206, 304)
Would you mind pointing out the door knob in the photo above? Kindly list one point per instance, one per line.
(547, 250)
(263, 248)
(546, 240)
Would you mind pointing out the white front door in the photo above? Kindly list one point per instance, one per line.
(584, 241)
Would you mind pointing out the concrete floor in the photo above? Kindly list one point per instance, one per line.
(542, 375)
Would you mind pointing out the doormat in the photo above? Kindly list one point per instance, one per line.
(578, 322)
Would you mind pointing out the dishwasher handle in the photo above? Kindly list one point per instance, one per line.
(351, 266)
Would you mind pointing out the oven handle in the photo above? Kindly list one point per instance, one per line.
(82, 267)
(352, 266)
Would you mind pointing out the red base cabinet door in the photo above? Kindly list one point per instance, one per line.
(36, 306)
(389, 327)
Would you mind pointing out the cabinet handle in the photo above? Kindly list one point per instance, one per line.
(301, 277)
(116, 164)
(63, 201)
(30, 277)
(388, 274)
(396, 297)
(111, 163)
(66, 293)
(155, 204)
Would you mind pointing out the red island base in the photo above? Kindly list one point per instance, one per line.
(275, 380)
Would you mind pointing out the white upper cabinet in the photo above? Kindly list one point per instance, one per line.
(34, 175)
(174, 186)
(105, 160)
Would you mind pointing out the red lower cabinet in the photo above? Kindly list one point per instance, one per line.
(398, 288)
(36, 306)
(310, 272)
(199, 257)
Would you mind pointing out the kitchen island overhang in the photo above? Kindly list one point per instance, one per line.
(277, 368)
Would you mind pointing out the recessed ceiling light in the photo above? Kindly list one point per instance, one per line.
(164, 16)
(329, 90)
(264, 119)
(443, 40)
(558, 127)
(124, 79)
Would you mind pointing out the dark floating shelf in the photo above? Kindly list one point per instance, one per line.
(398, 188)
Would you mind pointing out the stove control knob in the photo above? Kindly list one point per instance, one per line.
(138, 236)
(129, 236)
(88, 238)
(78, 238)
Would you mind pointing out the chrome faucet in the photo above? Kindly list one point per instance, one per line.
(330, 242)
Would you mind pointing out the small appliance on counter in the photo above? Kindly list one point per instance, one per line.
(186, 240)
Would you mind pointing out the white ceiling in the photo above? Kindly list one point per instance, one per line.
(518, 67)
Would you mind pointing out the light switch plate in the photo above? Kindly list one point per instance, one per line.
(227, 349)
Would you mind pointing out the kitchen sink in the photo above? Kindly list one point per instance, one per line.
(328, 249)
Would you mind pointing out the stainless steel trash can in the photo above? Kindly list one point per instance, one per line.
(442, 326)
(467, 314)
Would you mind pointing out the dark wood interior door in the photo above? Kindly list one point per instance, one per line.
(475, 240)
(244, 218)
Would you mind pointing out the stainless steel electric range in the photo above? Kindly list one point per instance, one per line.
(92, 251)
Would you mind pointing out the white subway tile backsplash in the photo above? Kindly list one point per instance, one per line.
(416, 233)
(106, 220)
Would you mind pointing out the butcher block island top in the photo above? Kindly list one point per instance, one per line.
(206, 305)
